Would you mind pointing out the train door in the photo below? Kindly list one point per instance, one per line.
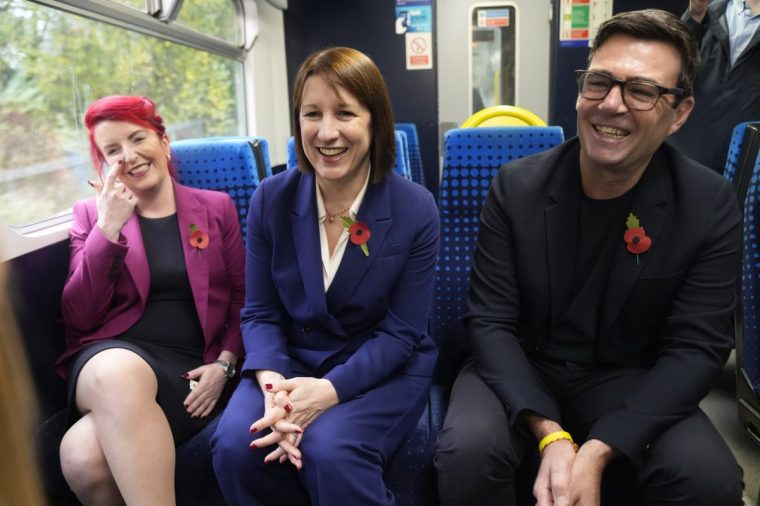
(492, 53)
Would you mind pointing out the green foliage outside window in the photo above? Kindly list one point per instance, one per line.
(54, 64)
(212, 17)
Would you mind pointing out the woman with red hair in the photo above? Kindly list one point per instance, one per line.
(151, 308)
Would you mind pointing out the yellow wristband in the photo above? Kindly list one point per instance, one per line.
(555, 436)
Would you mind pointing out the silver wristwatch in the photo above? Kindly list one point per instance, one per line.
(229, 369)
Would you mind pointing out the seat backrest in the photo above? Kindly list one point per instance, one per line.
(742, 153)
(503, 115)
(748, 347)
(292, 158)
(471, 158)
(402, 156)
(235, 165)
(415, 157)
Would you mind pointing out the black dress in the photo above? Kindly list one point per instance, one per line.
(168, 335)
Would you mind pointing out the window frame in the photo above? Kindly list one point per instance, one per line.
(156, 21)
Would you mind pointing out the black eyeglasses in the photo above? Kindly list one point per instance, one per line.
(637, 95)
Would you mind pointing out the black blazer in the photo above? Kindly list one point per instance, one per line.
(670, 314)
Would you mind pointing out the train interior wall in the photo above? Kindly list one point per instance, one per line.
(36, 279)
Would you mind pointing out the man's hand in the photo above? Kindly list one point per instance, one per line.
(586, 475)
(553, 478)
(552, 484)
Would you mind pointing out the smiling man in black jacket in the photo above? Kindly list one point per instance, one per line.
(601, 301)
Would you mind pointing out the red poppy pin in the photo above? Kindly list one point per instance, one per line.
(636, 239)
(198, 238)
(359, 232)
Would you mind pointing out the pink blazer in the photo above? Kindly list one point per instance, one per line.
(108, 283)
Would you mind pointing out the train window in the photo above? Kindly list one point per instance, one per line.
(140, 4)
(214, 17)
(55, 61)
(492, 57)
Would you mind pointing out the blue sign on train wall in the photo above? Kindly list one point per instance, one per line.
(413, 16)
(493, 17)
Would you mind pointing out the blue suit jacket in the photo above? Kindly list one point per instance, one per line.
(372, 322)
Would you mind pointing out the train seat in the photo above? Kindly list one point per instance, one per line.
(748, 329)
(235, 165)
(401, 166)
(292, 158)
(742, 152)
(415, 158)
(471, 158)
(503, 115)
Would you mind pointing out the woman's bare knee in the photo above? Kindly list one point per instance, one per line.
(115, 377)
(82, 461)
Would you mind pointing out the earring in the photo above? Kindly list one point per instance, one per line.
(168, 157)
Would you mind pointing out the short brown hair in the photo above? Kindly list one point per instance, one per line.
(659, 25)
(357, 74)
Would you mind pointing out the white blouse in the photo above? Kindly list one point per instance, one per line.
(330, 264)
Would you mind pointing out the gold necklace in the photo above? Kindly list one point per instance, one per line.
(331, 217)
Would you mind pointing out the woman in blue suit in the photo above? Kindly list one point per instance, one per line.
(339, 280)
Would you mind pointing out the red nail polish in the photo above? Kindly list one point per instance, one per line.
(268, 386)
(254, 430)
(253, 446)
(267, 461)
(288, 408)
(186, 375)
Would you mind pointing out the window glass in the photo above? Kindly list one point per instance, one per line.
(493, 55)
(212, 17)
(53, 64)
(140, 4)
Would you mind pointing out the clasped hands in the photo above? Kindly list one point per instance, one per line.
(567, 478)
(290, 406)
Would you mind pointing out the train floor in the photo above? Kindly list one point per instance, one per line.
(720, 406)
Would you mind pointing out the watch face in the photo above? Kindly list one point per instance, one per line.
(227, 367)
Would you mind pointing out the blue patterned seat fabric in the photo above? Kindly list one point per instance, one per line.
(743, 170)
(742, 151)
(734, 150)
(402, 158)
(751, 282)
(471, 158)
(292, 159)
(235, 165)
(415, 158)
